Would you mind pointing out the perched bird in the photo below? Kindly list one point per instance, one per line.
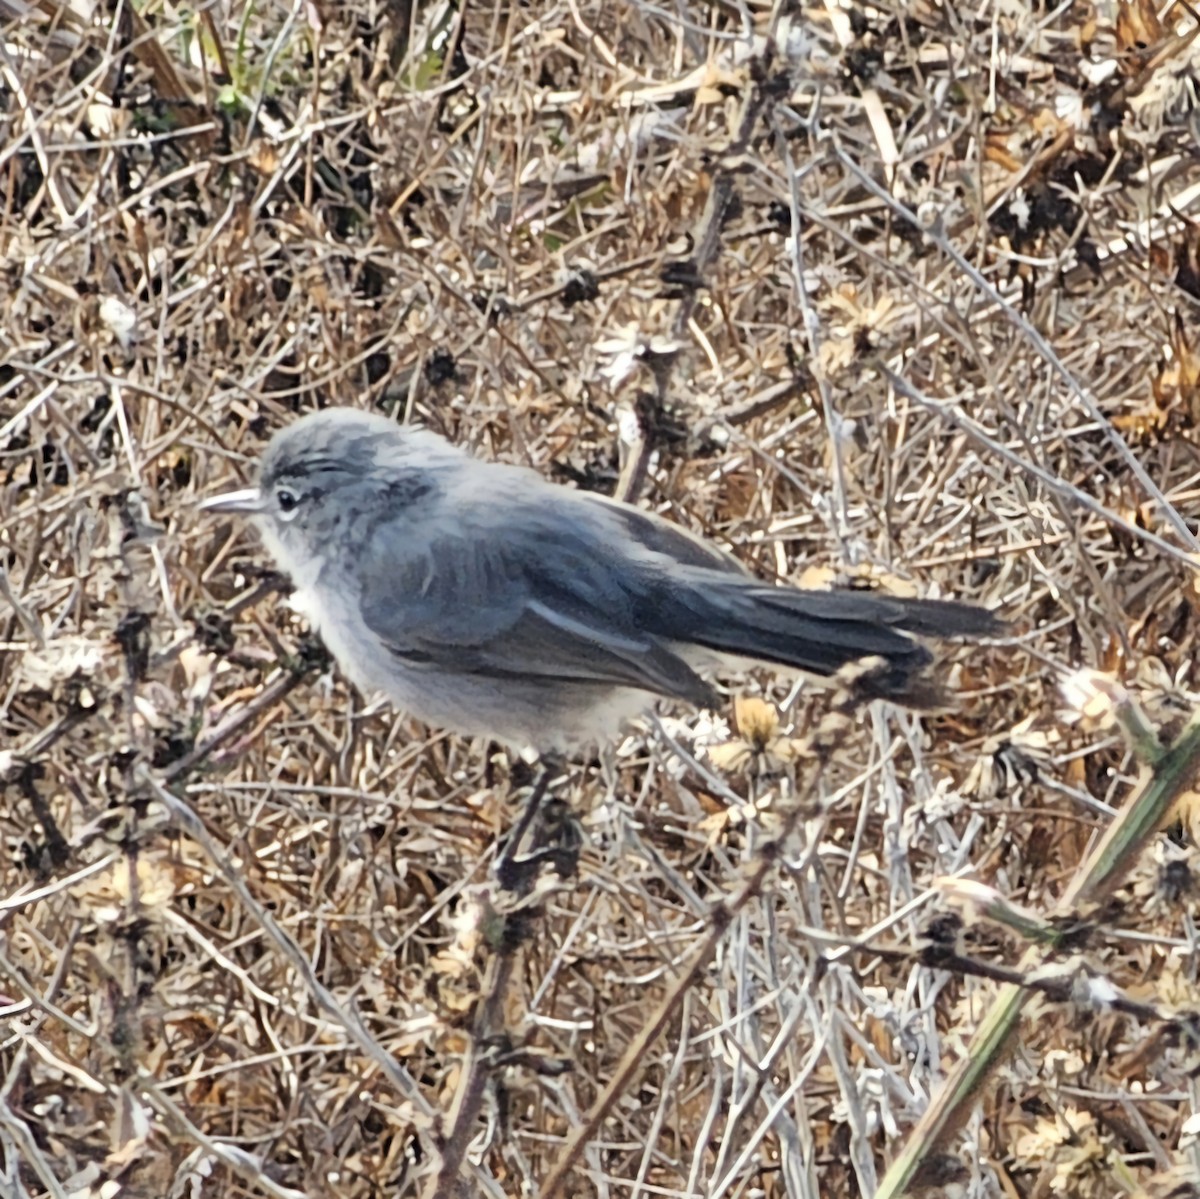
(487, 601)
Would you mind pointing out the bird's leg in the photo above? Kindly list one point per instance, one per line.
(517, 872)
(532, 806)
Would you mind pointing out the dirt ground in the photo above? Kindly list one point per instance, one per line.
(898, 296)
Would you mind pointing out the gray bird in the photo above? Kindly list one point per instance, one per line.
(486, 601)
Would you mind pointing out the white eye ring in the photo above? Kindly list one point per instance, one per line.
(288, 502)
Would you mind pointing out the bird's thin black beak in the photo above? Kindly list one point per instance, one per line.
(247, 501)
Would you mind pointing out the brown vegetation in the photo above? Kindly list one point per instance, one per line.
(899, 296)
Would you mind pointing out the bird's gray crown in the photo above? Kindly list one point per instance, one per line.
(336, 441)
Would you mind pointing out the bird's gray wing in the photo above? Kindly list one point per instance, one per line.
(658, 536)
(534, 598)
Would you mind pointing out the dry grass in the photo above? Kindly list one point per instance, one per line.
(481, 240)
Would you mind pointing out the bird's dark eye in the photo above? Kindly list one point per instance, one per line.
(287, 500)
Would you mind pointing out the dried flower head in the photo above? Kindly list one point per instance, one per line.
(761, 746)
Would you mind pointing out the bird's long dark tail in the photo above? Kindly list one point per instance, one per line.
(824, 631)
